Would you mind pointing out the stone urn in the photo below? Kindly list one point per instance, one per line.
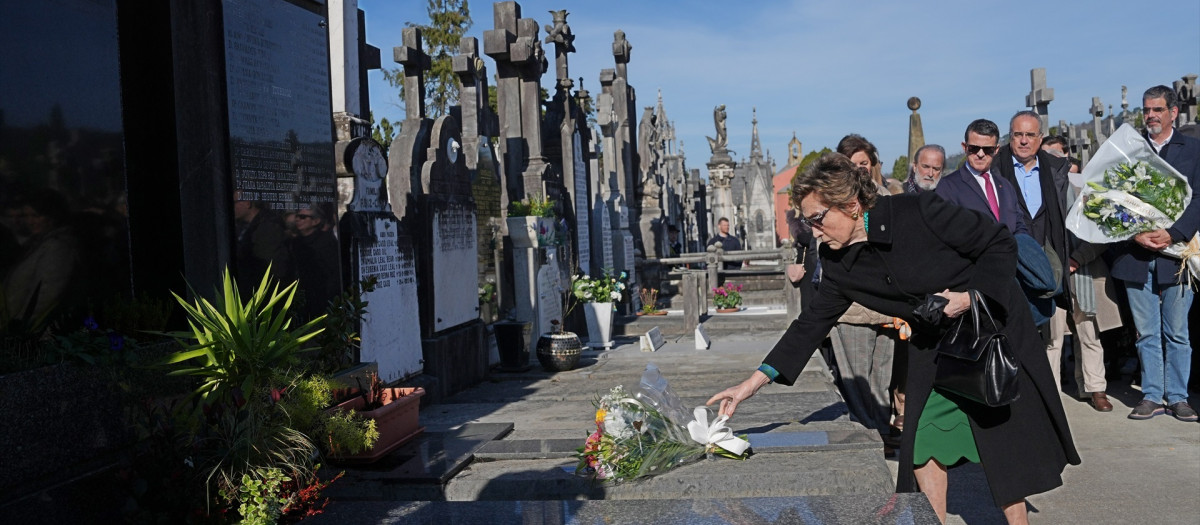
(557, 350)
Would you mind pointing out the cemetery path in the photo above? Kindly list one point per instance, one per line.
(527, 426)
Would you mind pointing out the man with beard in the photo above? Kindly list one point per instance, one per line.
(925, 170)
(1158, 302)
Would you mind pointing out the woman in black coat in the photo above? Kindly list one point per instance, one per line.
(888, 254)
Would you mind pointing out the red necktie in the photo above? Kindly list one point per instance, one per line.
(991, 195)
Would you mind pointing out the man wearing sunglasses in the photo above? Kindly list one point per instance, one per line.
(973, 186)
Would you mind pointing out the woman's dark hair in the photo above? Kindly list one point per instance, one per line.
(854, 143)
(835, 180)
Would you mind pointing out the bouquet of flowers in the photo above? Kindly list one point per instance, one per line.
(606, 289)
(1128, 189)
(646, 432)
(1134, 198)
(728, 296)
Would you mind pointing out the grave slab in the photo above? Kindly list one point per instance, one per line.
(434, 457)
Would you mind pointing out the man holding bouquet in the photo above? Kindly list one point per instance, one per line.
(1158, 301)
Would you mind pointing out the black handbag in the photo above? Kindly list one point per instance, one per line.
(975, 361)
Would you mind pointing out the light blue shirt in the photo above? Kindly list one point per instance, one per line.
(1030, 183)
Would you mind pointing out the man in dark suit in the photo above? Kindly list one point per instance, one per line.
(972, 186)
(1158, 302)
(1041, 184)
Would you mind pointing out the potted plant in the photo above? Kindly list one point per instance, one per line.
(531, 222)
(598, 296)
(728, 298)
(650, 303)
(394, 411)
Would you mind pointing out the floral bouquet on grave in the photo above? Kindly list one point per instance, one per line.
(1128, 189)
(647, 433)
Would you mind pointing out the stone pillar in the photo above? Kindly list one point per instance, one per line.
(916, 133)
(1097, 111)
(1185, 89)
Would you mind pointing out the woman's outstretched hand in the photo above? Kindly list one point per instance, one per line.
(732, 396)
(959, 303)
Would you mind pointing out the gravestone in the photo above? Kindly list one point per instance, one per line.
(652, 340)
(390, 332)
(566, 147)
(453, 343)
(702, 339)
(550, 296)
(408, 148)
(1039, 97)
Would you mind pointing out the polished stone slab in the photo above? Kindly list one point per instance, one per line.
(434, 457)
(760, 443)
(864, 509)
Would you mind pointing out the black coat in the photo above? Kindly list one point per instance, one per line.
(921, 244)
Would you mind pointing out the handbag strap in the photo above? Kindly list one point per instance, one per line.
(977, 302)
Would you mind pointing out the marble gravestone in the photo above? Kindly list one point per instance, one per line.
(449, 209)
(390, 332)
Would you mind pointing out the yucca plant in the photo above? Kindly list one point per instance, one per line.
(235, 345)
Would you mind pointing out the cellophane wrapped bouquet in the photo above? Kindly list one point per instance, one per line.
(646, 432)
(1128, 189)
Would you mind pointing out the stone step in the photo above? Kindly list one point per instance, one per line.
(752, 319)
(857, 508)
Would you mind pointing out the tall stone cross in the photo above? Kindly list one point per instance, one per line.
(563, 39)
(621, 51)
(412, 56)
(1185, 89)
(472, 98)
(1097, 111)
(1039, 96)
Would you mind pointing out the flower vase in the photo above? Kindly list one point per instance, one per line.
(524, 231)
(559, 351)
(599, 324)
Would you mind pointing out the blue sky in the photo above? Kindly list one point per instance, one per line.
(824, 69)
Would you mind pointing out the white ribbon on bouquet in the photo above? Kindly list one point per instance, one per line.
(715, 434)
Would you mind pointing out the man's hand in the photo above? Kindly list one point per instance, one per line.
(959, 302)
(1072, 265)
(732, 396)
(1155, 240)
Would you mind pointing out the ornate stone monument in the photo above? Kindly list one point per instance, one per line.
(1039, 96)
(916, 133)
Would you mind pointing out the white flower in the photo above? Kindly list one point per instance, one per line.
(615, 296)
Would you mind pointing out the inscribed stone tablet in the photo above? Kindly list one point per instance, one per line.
(391, 332)
(280, 118)
(455, 265)
(549, 296)
(583, 231)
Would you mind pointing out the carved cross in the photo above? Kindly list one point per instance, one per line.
(412, 56)
(563, 39)
(621, 50)
(1039, 96)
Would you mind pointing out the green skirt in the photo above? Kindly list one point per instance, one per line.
(944, 433)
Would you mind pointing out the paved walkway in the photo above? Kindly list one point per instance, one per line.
(1132, 471)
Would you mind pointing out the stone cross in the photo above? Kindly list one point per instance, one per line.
(1185, 89)
(1097, 111)
(621, 49)
(563, 39)
(1039, 96)
(472, 78)
(415, 62)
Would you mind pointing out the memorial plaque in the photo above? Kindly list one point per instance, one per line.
(627, 240)
(390, 332)
(583, 231)
(280, 117)
(455, 264)
(370, 167)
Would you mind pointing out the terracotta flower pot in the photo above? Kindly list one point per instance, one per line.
(729, 310)
(396, 421)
